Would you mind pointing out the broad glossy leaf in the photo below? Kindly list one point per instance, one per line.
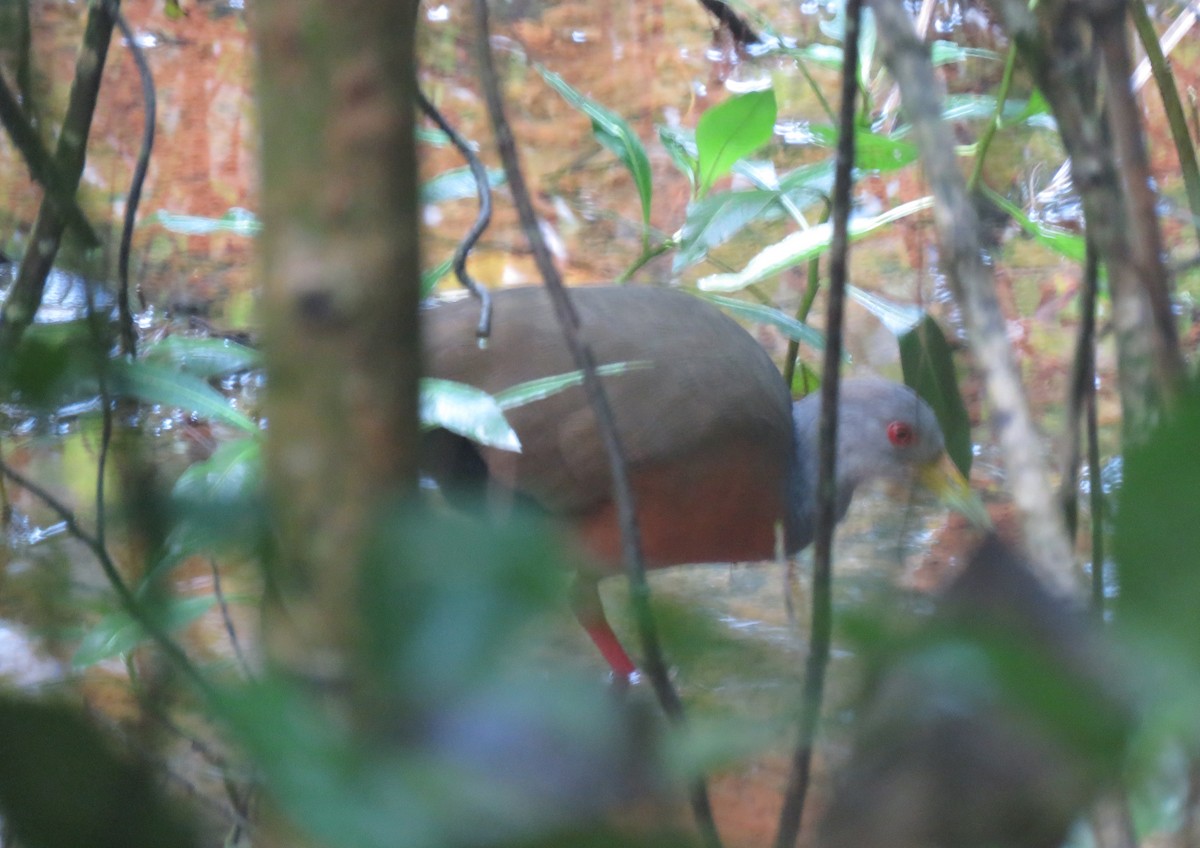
(763, 314)
(802, 246)
(202, 357)
(872, 151)
(928, 365)
(731, 131)
(155, 383)
(467, 411)
(232, 472)
(612, 131)
(456, 184)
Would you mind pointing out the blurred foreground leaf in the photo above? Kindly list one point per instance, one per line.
(62, 785)
(928, 364)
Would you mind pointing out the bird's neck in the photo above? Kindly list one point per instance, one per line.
(802, 481)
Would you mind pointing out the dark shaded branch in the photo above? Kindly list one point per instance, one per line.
(741, 31)
(568, 318)
(1080, 391)
(821, 627)
(25, 296)
(41, 165)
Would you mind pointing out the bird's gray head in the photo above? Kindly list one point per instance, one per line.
(884, 430)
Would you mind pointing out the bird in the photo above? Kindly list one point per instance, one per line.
(717, 452)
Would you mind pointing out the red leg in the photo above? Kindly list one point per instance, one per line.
(590, 612)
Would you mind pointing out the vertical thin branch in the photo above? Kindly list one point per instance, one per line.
(568, 318)
(821, 626)
(1080, 390)
(128, 331)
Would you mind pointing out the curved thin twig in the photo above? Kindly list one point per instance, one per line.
(484, 191)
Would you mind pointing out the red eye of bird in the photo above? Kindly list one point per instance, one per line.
(901, 434)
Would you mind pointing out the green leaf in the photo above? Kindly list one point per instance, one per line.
(928, 365)
(872, 151)
(947, 52)
(118, 633)
(232, 472)
(467, 411)
(432, 137)
(544, 387)
(433, 276)
(238, 221)
(804, 245)
(732, 130)
(899, 318)
(763, 314)
(1061, 242)
(612, 131)
(202, 357)
(154, 383)
(681, 148)
(456, 184)
(715, 219)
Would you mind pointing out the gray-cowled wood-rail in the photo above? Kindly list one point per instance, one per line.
(717, 452)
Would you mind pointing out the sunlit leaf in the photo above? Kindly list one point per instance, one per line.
(872, 151)
(899, 318)
(119, 633)
(155, 383)
(456, 184)
(238, 221)
(612, 131)
(467, 411)
(202, 357)
(542, 388)
(730, 131)
(947, 52)
(763, 314)
(928, 365)
(803, 245)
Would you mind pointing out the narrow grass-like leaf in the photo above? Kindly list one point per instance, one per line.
(928, 365)
(1060, 241)
(241, 222)
(947, 53)
(467, 411)
(731, 131)
(715, 219)
(899, 318)
(804, 245)
(434, 275)
(202, 357)
(614, 133)
(456, 184)
(762, 314)
(154, 383)
(532, 390)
